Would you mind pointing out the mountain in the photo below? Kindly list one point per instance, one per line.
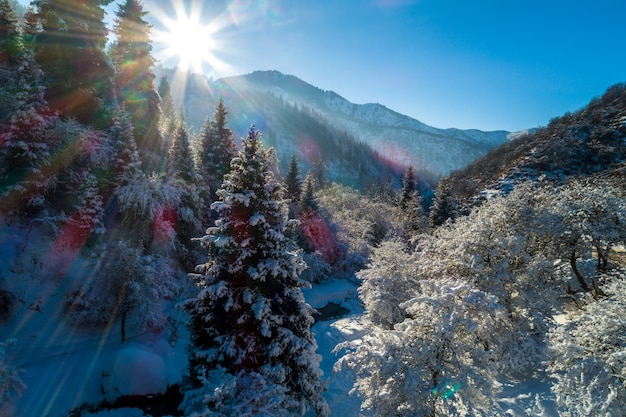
(399, 138)
(591, 141)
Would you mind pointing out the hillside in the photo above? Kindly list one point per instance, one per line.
(587, 142)
(399, 138)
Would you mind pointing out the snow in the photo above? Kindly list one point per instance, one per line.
(66, 367)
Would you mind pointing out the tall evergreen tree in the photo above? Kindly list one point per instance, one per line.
(411, 204)
(127, 163)
(308, 202)
(134, 79)
(10, 55)
(9, 33)
(252, 351)
(444, 205)
(217, 148)
(168, 112)
(293, 181)
(30, 25)
(180, 162)
(70, 50)
(25, 142)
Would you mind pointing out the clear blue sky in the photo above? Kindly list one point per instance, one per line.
(485, 64)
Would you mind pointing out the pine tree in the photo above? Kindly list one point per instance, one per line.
(180, 163)
(308, 202)
(127, 163)
(217, 148)
(252, 351)
(9, 33)
(411, 204)
(444, 205)
(10, 54)
(293, 182)
(25, 143)
(30, 25)
(70, 50)
(168, 112)
(134, 79)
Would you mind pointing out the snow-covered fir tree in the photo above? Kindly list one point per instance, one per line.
(217, 148)
(252, 352)
(10, 57)
(293, 181)
(134, 80)
(180, 162)
(70, 50)
(127, 163)
(444, 205)
(168, 112)
(410, 204)
(25, 142)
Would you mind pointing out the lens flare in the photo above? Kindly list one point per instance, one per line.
(446, 389)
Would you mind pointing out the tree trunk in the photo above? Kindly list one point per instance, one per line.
(579, 276)
(123, 324)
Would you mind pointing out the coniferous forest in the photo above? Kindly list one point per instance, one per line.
(125, 233)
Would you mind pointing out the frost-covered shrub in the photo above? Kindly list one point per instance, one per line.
(588, 355)
(440, 361)
(388, 281)
(317, 269)
(126, 284)
(361, 223)
(247, 394)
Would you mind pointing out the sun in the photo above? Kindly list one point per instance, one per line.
(190, 41)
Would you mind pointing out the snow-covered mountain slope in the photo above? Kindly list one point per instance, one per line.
(397, 137)
(591, 141)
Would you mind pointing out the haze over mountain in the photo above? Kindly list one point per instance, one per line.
(397, 137)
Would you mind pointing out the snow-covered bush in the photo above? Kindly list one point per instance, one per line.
(588, 355)
(388, 281)
(498, 249)
(441, 361)
(361, 223)
(126, 284)
(317, 269)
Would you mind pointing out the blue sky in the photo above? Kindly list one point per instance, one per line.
(482, 64)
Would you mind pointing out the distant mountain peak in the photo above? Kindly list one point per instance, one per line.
(392, 134)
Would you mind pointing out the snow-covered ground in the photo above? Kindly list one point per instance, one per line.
(66, 367)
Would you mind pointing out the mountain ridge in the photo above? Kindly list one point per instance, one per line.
(401, 138)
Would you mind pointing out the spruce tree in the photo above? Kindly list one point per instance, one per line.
(70, 50)
(293, 182)
(217, 148)
(9, 33)
(308, 202)
(411, 204)
(134, 79)
(444, 205)
(180, 162)
(168, 112)
(25, 141)
(252, 351)
(127, 163)
(10, 55)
